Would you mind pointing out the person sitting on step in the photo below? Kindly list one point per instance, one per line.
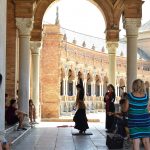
(13, 115)
(4, 145)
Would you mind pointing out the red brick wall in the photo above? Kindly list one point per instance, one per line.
(10, 50)
(50, 73)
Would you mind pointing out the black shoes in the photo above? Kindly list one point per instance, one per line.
(109, 131)
(82, 131)
(21, 129)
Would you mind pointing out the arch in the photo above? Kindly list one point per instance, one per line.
(97, 79)
(80, 74)
(71, 75)
(89, 78)
(97, 85)
(42, 5)
(105, 80)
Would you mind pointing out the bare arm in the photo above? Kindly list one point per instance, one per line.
(20, 112)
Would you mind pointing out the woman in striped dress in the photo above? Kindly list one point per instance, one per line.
(138, 115)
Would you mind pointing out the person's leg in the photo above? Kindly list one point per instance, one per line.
(146, 143)
(30, 114)
(34, 115)
(6, 146)
(121, 127)
(20, 118)
(114, 125)
(1, 146)
(136, 144)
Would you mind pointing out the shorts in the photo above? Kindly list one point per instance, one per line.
(13, 120)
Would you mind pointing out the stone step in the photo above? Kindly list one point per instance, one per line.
(13, 136)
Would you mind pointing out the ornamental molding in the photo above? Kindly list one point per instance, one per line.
(24, 26)
(132, 25)
(112, 47)
(35, 47)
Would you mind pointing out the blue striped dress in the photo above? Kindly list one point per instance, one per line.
(138, 117)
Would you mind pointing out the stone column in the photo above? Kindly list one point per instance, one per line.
(85, 83)
(3, 16)
(64, 81)
(74, 87)
(112, 47)
(131, 25)
(24, 27)
(94, 88)
(66, 87)
(35, 50)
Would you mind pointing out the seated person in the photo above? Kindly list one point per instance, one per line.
(32, 112)
(7, 101)
(1, 145)
(13, 115)
(121, 119)
(4, 145)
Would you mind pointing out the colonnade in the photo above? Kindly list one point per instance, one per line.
(74, 82)
(24, 26)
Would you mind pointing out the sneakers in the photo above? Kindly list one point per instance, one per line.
(21, 129)
(34, 122)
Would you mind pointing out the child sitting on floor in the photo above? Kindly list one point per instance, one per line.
(120, 125)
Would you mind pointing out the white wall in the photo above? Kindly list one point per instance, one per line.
(2, 61)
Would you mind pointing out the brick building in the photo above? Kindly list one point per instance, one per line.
(61, 61)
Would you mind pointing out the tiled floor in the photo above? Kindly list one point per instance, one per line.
(58, 136)
(47, 136)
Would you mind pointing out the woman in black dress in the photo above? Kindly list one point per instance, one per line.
(80, 118)
(109, 99)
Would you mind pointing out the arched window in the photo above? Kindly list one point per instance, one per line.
(70, 88)
(97, 86)
(97, 90)
(70, 83)
(88, 90)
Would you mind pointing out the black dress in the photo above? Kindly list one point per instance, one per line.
(80, 120)
(110, 107)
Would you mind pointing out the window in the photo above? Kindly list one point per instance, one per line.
(88, 92)
(97, 90)
(70, 88)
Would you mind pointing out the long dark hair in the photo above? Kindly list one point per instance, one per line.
(113, 88)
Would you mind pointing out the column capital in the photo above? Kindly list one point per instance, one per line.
(24, 25)
(132, 25)
(112, 46)
(35, 47)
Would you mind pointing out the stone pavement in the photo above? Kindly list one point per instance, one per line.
(58, 136)
(48, 136)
